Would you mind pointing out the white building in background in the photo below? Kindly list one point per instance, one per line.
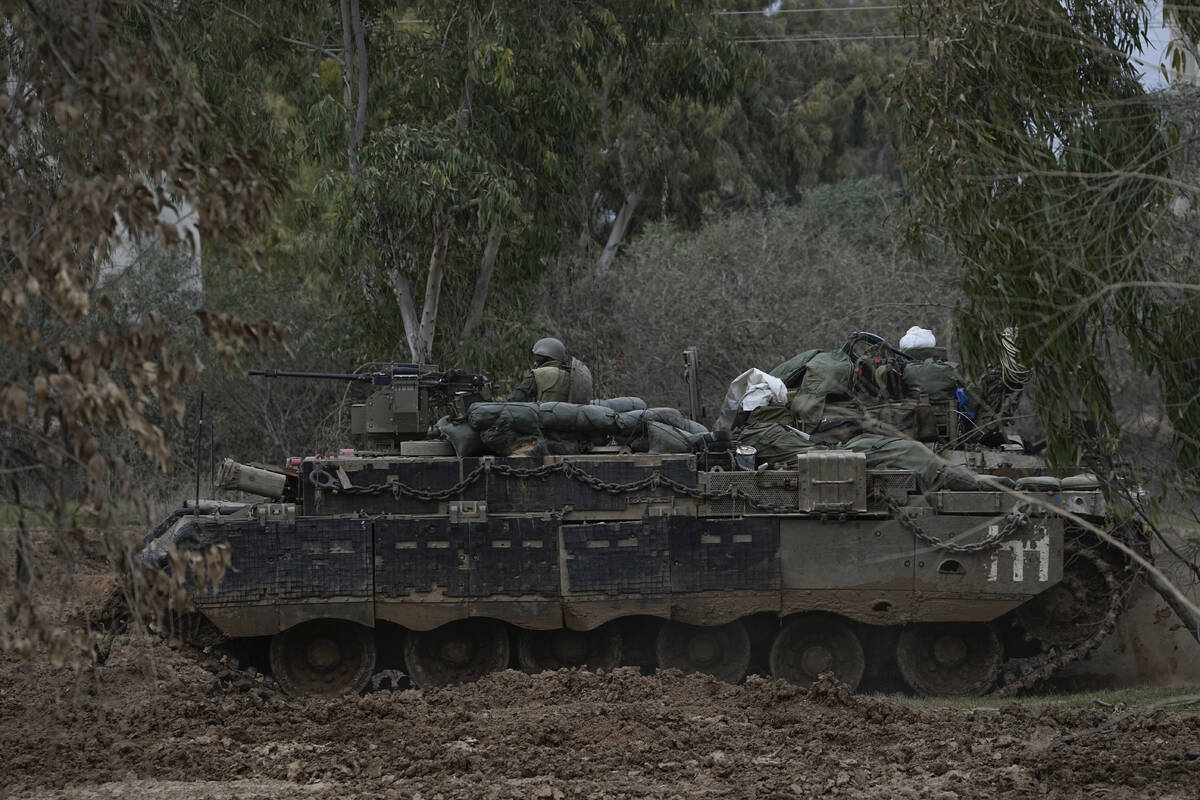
(1164, 38)
(1189, 72)
(132, 254)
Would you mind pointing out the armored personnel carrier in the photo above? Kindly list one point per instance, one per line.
(457, 562)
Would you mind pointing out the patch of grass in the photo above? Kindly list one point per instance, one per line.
(10, 516)
(117, 514)
(1133, 697)
(1182, 522)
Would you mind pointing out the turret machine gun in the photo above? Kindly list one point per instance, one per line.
(407, 401)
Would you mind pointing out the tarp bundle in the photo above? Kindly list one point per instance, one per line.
(779, 443)
(829, 405)
(870, 387)
(568, 428)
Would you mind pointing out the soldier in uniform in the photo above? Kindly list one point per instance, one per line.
(554, 377)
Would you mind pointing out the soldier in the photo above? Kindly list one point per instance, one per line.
(554, 377)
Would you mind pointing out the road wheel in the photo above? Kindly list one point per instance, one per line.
(722, 651)
(811, 644)
(457, 652)
(323, 657)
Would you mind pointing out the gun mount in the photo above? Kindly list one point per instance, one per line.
(407, 400)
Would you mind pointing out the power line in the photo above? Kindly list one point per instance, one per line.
(804, 38)
(765, 13)
(786, 39)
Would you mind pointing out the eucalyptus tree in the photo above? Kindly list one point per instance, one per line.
(484, 120)
(661, 111)
(104, 137)
(815, 107)
(1034, 149)
(789, 96)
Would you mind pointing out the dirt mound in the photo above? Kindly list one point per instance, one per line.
(152, 722)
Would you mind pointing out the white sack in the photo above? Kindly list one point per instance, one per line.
(748, 391)
(917, 337)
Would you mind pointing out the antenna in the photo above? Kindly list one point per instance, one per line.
(199, 440)
(212, 485)
(691, 374)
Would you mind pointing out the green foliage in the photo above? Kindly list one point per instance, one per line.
(818, 111)
(253, 419)
(413, 175)
(1033, 149)
(488, 118)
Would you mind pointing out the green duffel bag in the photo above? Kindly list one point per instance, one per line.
(663, 438)
(583, 420)
(507, 428)
(892, 419)
(621, 403)
(519, 417)
(826, 373)
(771, 412)
(775, 443)
(462, 437)
(890, 452)
(937, 380)
(792, 371)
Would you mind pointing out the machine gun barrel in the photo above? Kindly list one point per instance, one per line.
(327, 376)
(377, 378)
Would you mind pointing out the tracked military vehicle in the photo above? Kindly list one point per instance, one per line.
(463, 562)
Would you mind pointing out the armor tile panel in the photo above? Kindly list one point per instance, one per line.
(422, 556)
(724, 554)
(254, 549)
(515, 557)
(618, 558)
(326, 558)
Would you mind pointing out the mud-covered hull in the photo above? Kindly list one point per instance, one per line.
(582, 543)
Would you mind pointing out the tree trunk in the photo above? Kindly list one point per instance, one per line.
(487, 266)
(354, 59)
(360, 54)
(433, 288)
(348, 83)
(1189, 620)
(408, 310)
(24, 550)
(620, 227)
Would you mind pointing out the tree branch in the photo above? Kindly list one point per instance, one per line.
(360, 58)
(433, 286)
(487, 267)
(620, 228)
(348, 84)
(316, 48)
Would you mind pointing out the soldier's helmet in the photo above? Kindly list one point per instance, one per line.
(550, 348)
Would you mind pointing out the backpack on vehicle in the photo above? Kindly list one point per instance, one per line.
(877, 368)
(932, 384)
(814, 377)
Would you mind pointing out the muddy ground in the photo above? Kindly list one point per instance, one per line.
(151, 722)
